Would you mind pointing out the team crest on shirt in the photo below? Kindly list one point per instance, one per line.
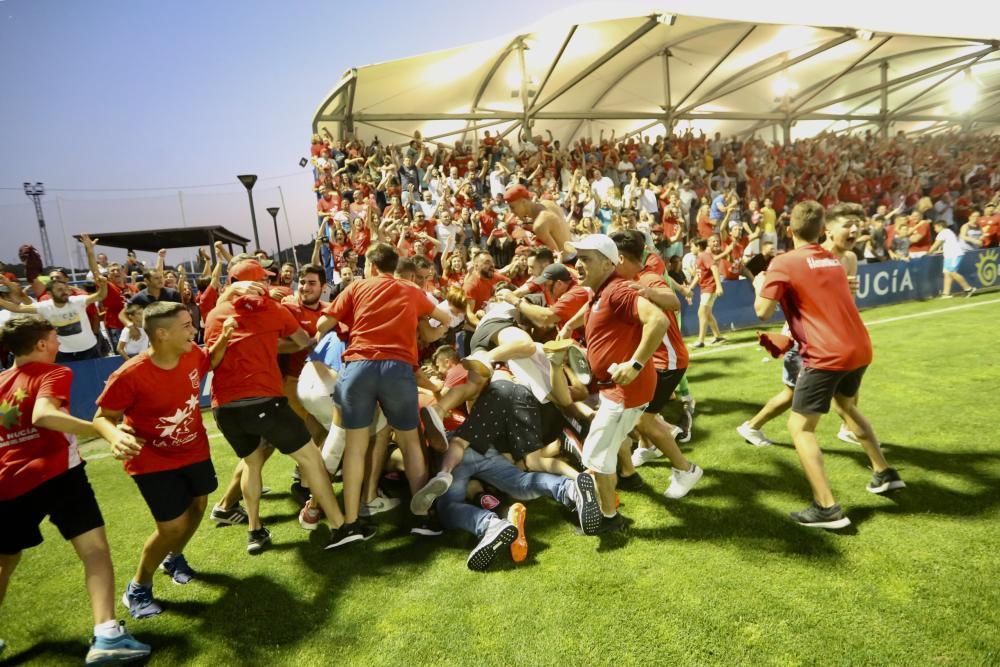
(195, 379)
(178, 428)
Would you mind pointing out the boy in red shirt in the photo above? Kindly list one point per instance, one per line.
(166, 451)
(811, 285)
(623, 331)
(710, 282)
(670, 361)
(382, 314)
(41, 474)
(248, 396)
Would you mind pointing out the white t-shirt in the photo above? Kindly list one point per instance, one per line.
(497, 186)
(71, 323)
(446, 235)
(602, 186)
(134, 346)
(950, 244)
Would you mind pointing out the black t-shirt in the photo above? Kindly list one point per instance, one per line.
(144, 298)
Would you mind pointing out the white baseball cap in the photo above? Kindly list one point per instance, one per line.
(602, 243)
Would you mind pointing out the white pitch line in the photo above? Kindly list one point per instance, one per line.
(898, 318)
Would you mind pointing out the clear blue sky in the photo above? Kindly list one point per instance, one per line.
(142, 94)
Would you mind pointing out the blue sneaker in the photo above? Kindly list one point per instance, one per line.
(177, 567)
(116, 650)
(140, 602)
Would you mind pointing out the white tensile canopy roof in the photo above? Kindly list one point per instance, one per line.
(636, 66)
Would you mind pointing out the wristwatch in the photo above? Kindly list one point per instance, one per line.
(637, 365)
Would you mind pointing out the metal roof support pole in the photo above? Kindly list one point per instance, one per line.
(823, 85)
(668, 119)
(883, 126)
(526, 122)
(211, 247)
(934, 85)
(786, 127)
(347, 127)
(718, 63)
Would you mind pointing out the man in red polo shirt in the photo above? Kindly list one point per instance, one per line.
(382, 314)
(623, 331)
(563, 295)
(166, 449)
(812, 287)
(670, 361)
(249, 401)
(710, 282)
(480, 282)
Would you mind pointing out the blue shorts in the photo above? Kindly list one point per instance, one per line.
(388, 383)
(951, 265)
(792, 366)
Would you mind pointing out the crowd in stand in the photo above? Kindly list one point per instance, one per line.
(490, 323)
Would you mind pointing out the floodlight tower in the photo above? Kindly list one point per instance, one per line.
(248, 181)
(273, 210)
(35, 191)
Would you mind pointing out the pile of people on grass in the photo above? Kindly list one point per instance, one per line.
(418, 371)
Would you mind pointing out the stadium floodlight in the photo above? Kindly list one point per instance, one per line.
(35, 191)
(782, 86)
(248, 181)
(667, 19)
(964, 94)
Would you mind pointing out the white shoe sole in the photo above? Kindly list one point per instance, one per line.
(484, 554)
(829, 525)
(888, 486)
(422, 500)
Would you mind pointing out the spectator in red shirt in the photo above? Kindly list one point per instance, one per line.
(41, 474)
(249, 402)
(382, 314)
(710, 282)
(812, 287)
(479, 284)
(157, 394)
(623, 331)
(563, 295)
(920, 236)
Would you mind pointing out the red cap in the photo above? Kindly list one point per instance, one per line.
(248, 269)
(515, 192)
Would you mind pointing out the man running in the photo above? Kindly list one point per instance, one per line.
(623, 331)
(166, 453)
(41, 474)
(812, 288)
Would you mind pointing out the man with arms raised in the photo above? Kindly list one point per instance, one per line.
(41, 474)
(166, 451)
(382, 313)
(248, 395)
(811, 285)
(623, 330)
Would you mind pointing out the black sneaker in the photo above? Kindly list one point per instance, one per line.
(257, 540)
(427, 526)
(499, 536)
(588, 509)
(814, 516)
(359, 531)
(229, 517)
(718, 340)
(631, 483)
(887, 480)
(614, 524)
(698, 345)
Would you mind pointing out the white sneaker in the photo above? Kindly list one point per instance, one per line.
(498, 537)
(752, 435)
(643, 455)
(681, 482)
(845, 435)
(422, 500)
(379, 505)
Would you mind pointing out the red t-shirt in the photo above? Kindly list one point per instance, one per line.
(382, 314)
(30, 455)
(704, 264)
(613, 333)
(655, 264)
(114, 304)
(733, 264)
(924, 244)
(206, 301)
(570, 303)
(672, 353)
(291, 364)
(162, 406)
(811, 285)
(250, 367)
(480, 289)
(705, 227)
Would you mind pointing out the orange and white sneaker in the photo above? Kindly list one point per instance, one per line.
(517, 515)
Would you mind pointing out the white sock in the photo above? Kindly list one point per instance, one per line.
(108, 629)
(333, 448)
(610, 516)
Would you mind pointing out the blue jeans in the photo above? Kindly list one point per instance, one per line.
(494, 469)
(390, 384)
(327, 259)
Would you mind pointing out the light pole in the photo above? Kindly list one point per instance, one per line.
(274, 218)
(35, 191)
(248, 180)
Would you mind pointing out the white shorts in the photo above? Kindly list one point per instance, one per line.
(707, 298)
(611, 425)
(315, 390)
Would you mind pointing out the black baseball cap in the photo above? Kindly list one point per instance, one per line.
(553, 272)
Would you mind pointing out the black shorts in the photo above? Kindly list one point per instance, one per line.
(815, 388)
(666, 382)
(270, 418)
(169, 493)
(67, 499)
(482, 337)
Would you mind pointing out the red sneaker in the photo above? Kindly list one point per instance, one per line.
(309, 517)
